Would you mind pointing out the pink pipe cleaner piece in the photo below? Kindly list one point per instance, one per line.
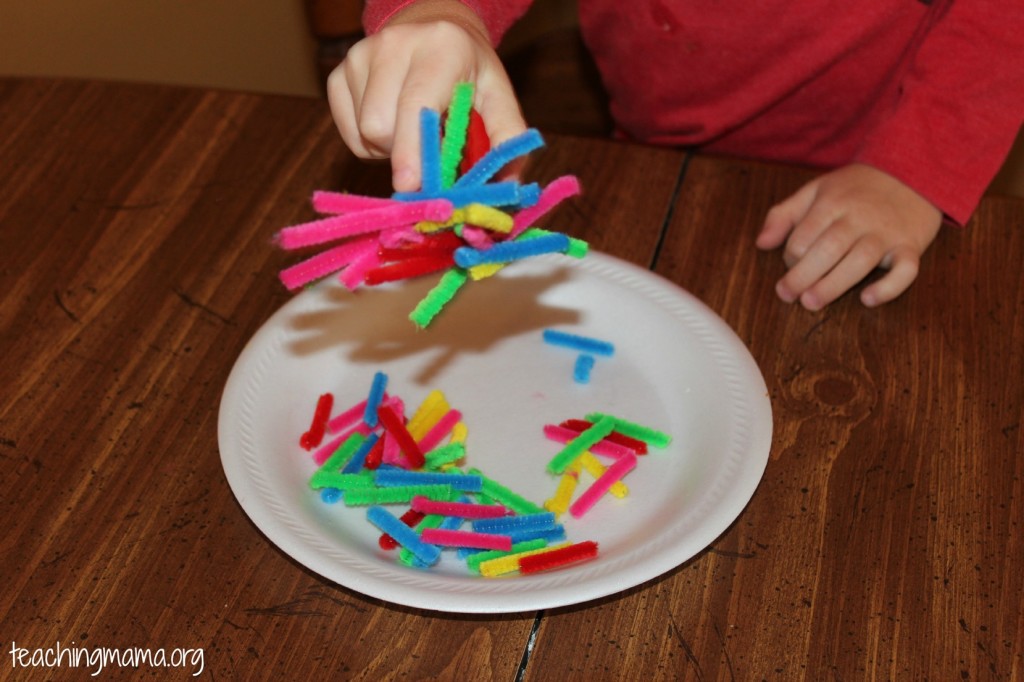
(599, 488)
(392, 452)
(398, 214)
(559, 189)
(355, 273)
(339, 202)
(348, 417)
(603, 447)
(466, 538)
(464, 510)
(439, 430)
(477, 237)
(322, 264)
(400, 236)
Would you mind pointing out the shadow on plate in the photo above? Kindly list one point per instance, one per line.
(372, 325)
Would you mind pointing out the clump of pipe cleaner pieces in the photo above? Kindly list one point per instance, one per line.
(467, 226)
(378, 458)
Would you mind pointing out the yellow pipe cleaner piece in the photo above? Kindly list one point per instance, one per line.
(487, 217)
(429, 412)
(559, 502)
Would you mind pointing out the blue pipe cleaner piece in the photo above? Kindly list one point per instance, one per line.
(355, 464)
(430, 150)
(380, 382)
(401, 477)
(496, 159)
(492, 194)
(529, 195)
(556, 534)
(505, 252)
(581, 370)
(509, 523)
(584, 344)
(403, 534)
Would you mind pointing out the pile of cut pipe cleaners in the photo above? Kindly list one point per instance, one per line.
(462, 222)
(375, 457)
(371, 455)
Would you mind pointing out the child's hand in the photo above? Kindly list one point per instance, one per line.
(377, 93)
(840, 227)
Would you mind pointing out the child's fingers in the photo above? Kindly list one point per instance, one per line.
(854, 266)
(905, 262)
(832, 244)
(345, 86)
(784, 216)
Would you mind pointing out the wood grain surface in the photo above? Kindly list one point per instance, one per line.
(884, 542)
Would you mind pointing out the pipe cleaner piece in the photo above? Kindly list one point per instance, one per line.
(498, 157)
(634, 444)
(406, 537)
(577, 247)
(553, 534)
(465, 510)
(558, 558)
(578, 342)
(353, 275)
(404, 269)
(396, 494)
(392, 423)
(342, 202)
(330, 495)
(315, 435)
(355, 464)
(398, 214)
(604, 447)
(456, 129)
(596, 469)
(340, 481)
(337, 460)
(584, 441)
(430, 150)
(439, 430)
(505, 524)
(558, 504)
(507, 193)
(598, 488)
(510, 562)
(557, 191)
(429, 521)
(373, 400)
(400, 477)
(410, 518)
(322, 264)
(427, 413)
(444, 456)
(464, 538)
(474, 559)
(487, 216)
(375, 457)
(502, 495)
(582, 368)
(438, 297)
(658, 439)
(505, 252)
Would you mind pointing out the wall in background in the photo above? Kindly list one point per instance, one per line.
(256, 45)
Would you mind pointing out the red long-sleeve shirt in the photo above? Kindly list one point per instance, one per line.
(929, 92)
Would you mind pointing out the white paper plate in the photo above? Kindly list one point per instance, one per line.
(677, 367)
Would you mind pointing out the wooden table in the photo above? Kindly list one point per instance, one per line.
(884, 542)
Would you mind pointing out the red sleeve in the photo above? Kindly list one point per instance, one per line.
(498, 15)
(959, 107)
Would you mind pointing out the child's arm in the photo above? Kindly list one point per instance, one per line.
(841, 226)
(414, 61)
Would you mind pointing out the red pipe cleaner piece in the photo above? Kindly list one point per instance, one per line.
(437, 245)
(634, 444)
(312, 438)
(405, 269)
(477, 142)
(392, 423)
(375, 456)
(409, 518)
(556, 558)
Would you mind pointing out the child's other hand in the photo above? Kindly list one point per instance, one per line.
(377, 93)
(841, 226)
